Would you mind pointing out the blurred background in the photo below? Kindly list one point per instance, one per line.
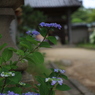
(75, 50)
(77, 18)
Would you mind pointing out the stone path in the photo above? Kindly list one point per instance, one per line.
(83, 63)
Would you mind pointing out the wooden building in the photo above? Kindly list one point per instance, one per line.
(58, 11)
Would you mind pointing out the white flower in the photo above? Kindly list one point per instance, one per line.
(47, 79)
(13, 74)
(7, 74)
(22, 83)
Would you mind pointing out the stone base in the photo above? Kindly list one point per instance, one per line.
(26, 77)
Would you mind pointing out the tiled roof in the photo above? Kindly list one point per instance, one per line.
(52, 3)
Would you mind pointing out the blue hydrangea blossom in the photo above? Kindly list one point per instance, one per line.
(12, 93)
(59, 71)
(34, 32)
(55, 25)
(54, 80)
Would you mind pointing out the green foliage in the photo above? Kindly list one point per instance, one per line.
(63, 87)
(7, 54)
(11, 80)
(91, 15)
(52, 39)
(45, 87)
(45, 31)
(38, 58)
(77, 20)
(83, 15)
(0, 36)
(45, 44)
(2, 46)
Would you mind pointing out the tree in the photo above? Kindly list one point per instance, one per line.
(83, 15)
(91, 15)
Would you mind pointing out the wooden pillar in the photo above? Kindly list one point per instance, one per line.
(69, 31)
(62, 36)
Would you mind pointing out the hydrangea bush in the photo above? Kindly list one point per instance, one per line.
(47, 84)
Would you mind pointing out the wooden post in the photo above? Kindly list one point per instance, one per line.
(69, 31)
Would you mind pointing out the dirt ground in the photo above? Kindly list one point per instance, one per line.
(83, 63)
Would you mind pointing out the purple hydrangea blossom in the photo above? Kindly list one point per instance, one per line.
(59, 70)
(34, 32)
(12, 93)
(62, 71)
(30, 93)
(54, 80)
(60, 81)
(43, 24)
(56, 70)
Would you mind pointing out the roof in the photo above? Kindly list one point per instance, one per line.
(80, 25)
(52, 3)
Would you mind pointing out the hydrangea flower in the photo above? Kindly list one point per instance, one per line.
(47, 79)
(54, 80)
(30, 93)
(34, 32)
(43, 24)
(22, 83)
(12, 93)
(59, 70)
(60, 81)
(7, 74)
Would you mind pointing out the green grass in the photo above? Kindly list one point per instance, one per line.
(86, 45)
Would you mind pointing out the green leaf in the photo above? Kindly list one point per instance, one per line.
(43, 31)
(63, 76)
(16, 78)
(0, 36)
(63, 87)
(52, 39)
(7, 54)
(11, 48)
(6, 67)
(53, 74)
(13, 65)
(26, 45)
(2, 46)
(1, 81)
(27, 85)
(45, 44)
(29, 59)
(40, 80)
(43, 87)
(37, 57)
(1, 60)
(14, 89)
(32, 40)
(15, 62)
(20, 52)
(51, 92)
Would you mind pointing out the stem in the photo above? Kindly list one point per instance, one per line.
(50, 91)
(33, 49)
(4, 85)
(54, 86)
(40, 43)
